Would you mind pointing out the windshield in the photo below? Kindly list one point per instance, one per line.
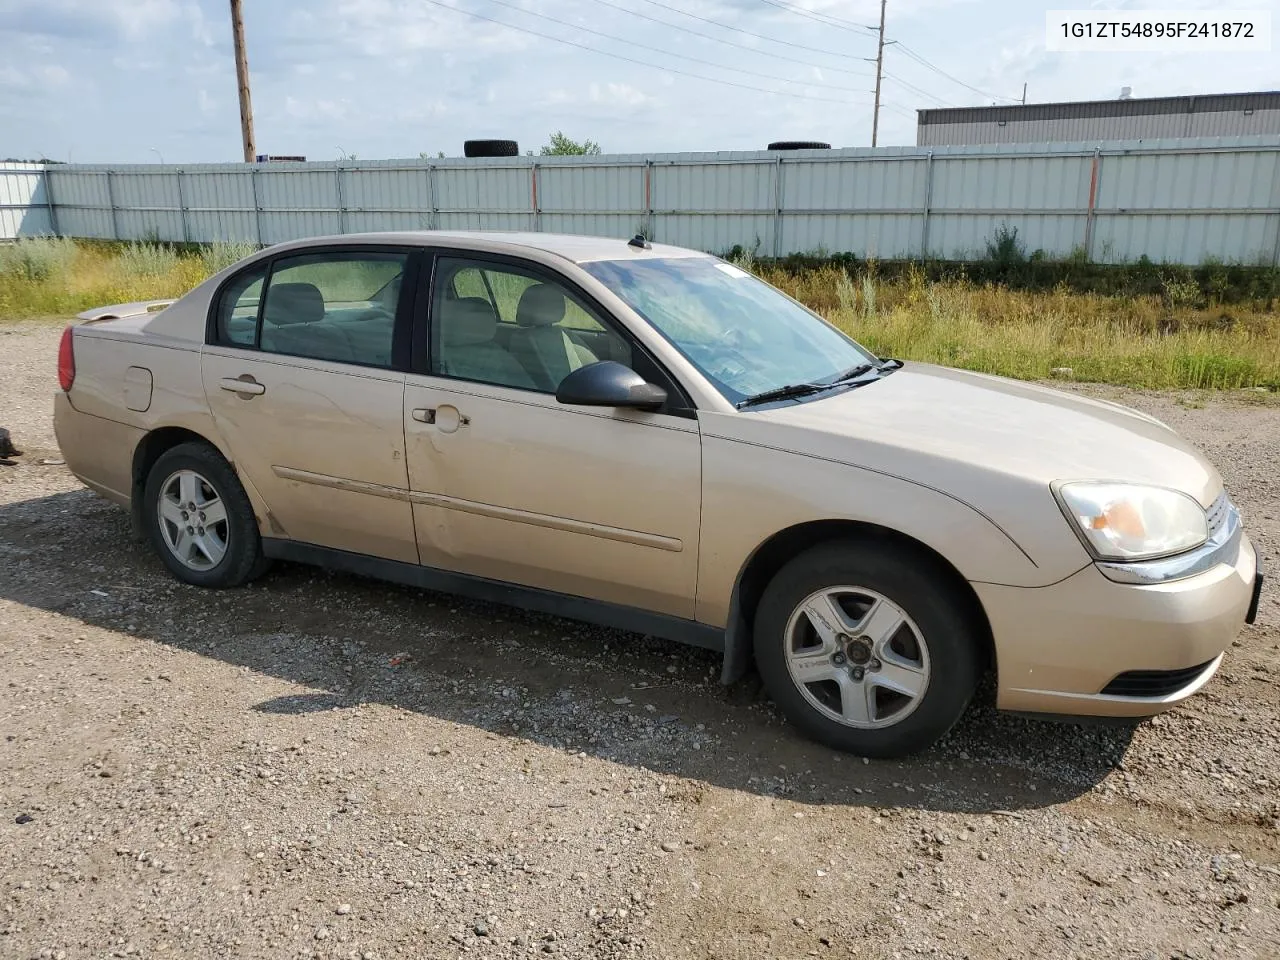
(742, 334)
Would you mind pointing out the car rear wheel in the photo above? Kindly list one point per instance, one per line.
(867, 648)
(200, 520)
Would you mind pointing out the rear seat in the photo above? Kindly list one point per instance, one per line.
(368, 340)
(293, 323)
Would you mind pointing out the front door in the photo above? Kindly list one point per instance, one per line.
(303, 383)
(511, 485)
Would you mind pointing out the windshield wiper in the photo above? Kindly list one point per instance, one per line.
(805, 389)
(783, 393)
(853, 373)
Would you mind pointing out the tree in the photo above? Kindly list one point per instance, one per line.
(562, 146)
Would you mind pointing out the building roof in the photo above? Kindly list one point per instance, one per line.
(1090, 109)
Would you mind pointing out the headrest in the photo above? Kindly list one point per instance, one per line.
(467, 321)
(540, 306)
(293, 303)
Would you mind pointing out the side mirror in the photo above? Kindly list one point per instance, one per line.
(610, 384)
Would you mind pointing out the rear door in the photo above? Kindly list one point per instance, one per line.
(304, 373)
(510, 484)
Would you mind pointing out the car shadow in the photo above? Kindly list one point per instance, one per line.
(348, 641)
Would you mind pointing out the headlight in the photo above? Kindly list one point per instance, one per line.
(1122, 521)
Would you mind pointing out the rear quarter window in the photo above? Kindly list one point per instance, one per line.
(237, 313)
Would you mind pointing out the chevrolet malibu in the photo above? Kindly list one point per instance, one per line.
(653, 439)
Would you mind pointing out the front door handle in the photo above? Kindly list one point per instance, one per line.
(445, 417)
(244, 385)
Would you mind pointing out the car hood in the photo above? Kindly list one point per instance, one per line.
(993, 443)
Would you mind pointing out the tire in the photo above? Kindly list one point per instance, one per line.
(799, 145)
(868, 697)
(490, 148)
(240, 559)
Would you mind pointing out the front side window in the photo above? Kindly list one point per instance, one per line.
(498, 324)
(333, 306)
(742, 334)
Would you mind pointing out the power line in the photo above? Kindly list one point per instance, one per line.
(912, 87)
(740, 46)
(668, 53)
(822, 17)
(938, 70)
(903, 111)
(843, 24)
(748, 33)
(641, 63)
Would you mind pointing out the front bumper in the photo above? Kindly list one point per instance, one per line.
(1058, 647)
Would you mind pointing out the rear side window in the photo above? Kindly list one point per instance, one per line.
(237, 316)
(324, 306)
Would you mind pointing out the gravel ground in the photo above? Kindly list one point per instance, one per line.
(323, 766)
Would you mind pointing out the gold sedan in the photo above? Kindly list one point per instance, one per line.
(649, 438)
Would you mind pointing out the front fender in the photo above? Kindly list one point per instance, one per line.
(751, 492)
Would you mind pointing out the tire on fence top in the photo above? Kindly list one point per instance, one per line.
(490, 148)
(799, 145)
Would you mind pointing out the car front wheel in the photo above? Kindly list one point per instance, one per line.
(867, 647)
(199, 518)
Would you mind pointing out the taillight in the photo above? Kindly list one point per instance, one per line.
(66, 361)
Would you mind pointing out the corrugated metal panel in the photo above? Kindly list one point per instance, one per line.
(565, 189)
(713, 188)
(83, 202)
(883, 237)
(24, 204)
(220, 205)
(1167, 198)
(1010, 183)
(485, 190)
(965, 236)
(1176, 238)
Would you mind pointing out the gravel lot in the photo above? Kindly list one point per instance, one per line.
(323, 766)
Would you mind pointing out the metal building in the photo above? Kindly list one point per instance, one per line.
(1212, 115)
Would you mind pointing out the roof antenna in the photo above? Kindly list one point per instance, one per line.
(639, 242)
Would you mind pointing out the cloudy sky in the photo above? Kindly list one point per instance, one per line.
(134, 80)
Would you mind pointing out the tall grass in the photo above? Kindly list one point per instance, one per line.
(55, 277)
(1168, 338)
(1152, 341)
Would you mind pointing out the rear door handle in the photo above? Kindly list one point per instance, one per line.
(244, 385)
(423, 415)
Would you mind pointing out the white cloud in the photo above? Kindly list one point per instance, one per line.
(311, 110)
(620, 94)
(54, 75)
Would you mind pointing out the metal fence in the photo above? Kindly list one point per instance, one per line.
(1171, 200)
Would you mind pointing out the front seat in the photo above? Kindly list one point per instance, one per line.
(467, 346)
(292, 322)
(544, 349)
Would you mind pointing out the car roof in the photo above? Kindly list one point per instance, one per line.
(578, 249)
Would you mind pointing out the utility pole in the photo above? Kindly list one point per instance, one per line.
(242, 78)
(875, 117)
(1024, 93)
